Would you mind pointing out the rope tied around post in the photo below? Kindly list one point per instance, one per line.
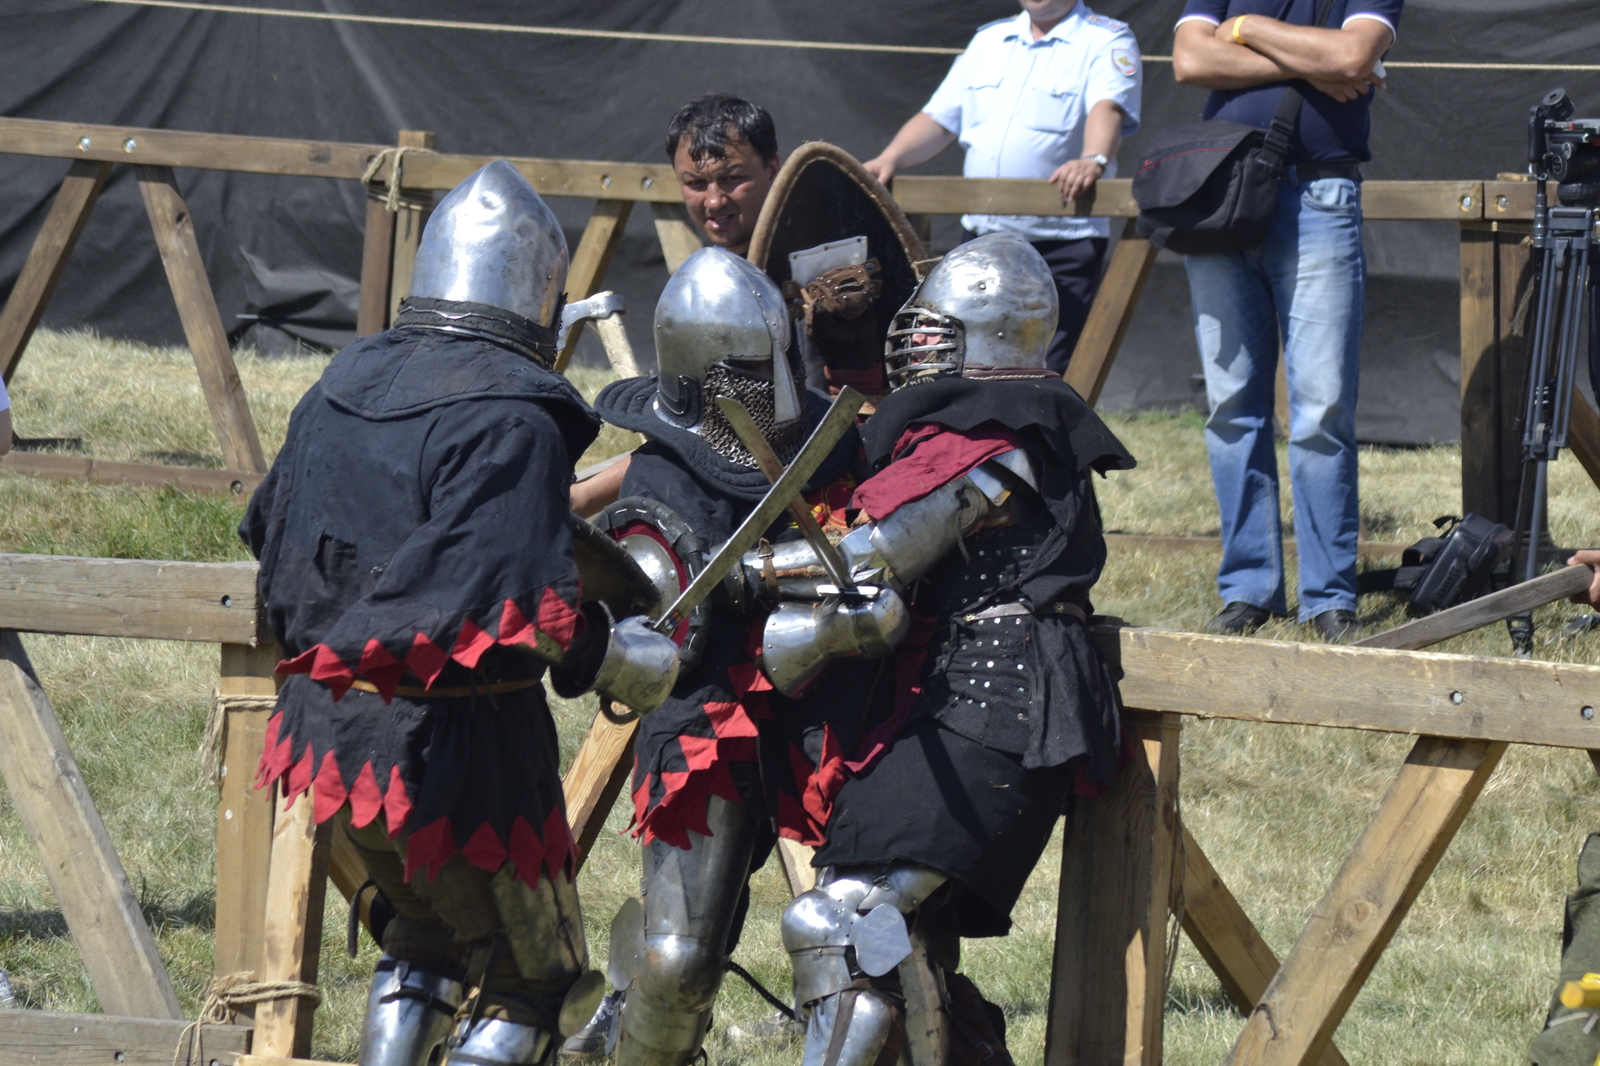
(224, 996)
(394, 159)
(210, 753)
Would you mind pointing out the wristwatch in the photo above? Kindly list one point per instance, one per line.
(1098, 158)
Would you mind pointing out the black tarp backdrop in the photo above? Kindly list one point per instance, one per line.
(286, 252)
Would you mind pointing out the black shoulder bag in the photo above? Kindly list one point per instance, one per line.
(1206, 187)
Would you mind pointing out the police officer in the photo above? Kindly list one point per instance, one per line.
(1048, 94)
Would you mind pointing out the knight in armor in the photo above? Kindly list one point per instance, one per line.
(719, 769)
(417, 569)
(982, 516)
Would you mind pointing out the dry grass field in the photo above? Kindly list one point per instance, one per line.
(1275, 806)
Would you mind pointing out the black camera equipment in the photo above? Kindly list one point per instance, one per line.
(1567, 151)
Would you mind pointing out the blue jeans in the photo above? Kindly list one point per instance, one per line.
(1308, 280)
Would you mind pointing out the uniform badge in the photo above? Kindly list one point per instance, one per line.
(1124, 61)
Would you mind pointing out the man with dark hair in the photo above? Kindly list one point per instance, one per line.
(725, 152)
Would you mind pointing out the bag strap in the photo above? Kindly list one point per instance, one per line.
(1282, 128)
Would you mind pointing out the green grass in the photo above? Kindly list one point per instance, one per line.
(1276, 807)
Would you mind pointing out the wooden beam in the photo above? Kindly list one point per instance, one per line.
(377, 263)
(1486, 610)
(1307, 999)
(651, 182)
(202, 323)
(409, 222)
(296, 887)
(601, 239)
(79, 192)
(1508, 200)
(679, 239)
(1480, 385)
(149, 475)
(1416, 692)
(595, 779)
(1455, 201)
(175, 148)
(244, 812)
(88, 879)
(1227, 939)
(45, 1038)
(1009, 196)
(1366, 549)
(210, 602)
(1110, 314)
(1118, 871)
(1583, 435)
(795, 858)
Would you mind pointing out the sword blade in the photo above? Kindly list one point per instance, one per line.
(738, 417)
(840, 417)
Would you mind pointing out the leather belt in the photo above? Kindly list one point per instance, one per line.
(411, 692)
(1012, 610)
(1301, 173)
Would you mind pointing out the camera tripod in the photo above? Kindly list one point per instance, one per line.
(1564, 301)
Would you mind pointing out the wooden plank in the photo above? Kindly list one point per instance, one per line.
(651, 182)
(44, 1038)
(1227, 939)
(1110, 314)
(795, 858)
(409, 222)
(1118, 871)
(296, 888)
(210, 602)
(1415, 692)
(1583, 435)
(1456, 201)
(1480, 386)
(1366, 549)
(150, 475)
(1508, 200)
(596, 778)
(79, 192)
(601, 238)
(920, 195)
(202, 323)
(1369, 897)
(244, 812)
(175, 148)
(679, 239)
(377, 262)
(1486, 610)
(90, 885)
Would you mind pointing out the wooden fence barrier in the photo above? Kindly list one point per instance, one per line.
(1493, 216)
(1108, 982)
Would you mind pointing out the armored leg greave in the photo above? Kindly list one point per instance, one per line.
(849, 942)
(409, 1012)
(677, 961)
(497, 1042)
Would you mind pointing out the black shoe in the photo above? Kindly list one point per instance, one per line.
(1237, 619)
(1337, 626)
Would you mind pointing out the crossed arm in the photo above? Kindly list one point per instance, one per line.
(1337, 62)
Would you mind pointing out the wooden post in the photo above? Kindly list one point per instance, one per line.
(296, 887)
(601, 238)
(408, 223)
(1227, 939)
(1111, 313)
(88, 879)
(1118, 871)
(244, 812)
(679, 239)
(377, 260)
(202, 323)
(595, 779)
(1583, 435)
(795, 858)
(48, 258)
(1353, 923)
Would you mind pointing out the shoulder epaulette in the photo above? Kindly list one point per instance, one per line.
(1101, 20)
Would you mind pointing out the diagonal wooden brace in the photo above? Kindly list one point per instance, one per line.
(1370, 896)
(1111, 313)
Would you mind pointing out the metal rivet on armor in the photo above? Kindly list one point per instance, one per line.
(997, 643)
(986, 684)
(982, 705)
(1021, 717)
(972, 681)
(991, 664)
(983, 577)
(1019, 666)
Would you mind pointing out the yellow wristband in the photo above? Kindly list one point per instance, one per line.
(1238, 24)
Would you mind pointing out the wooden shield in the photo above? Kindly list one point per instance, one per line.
(823, 195)
(609, 574)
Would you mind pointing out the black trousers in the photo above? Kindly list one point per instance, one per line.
(1076, 267)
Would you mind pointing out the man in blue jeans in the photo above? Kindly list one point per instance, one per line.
(1305, 283)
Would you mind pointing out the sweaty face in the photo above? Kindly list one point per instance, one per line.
(724, 196)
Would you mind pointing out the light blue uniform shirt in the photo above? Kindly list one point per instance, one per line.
(5, 401)
(1018, 106)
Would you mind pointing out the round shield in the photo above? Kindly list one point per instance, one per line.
(844, 253)
(668, 554)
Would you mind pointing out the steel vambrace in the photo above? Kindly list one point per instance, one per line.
(799, 638)
(640, 665)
